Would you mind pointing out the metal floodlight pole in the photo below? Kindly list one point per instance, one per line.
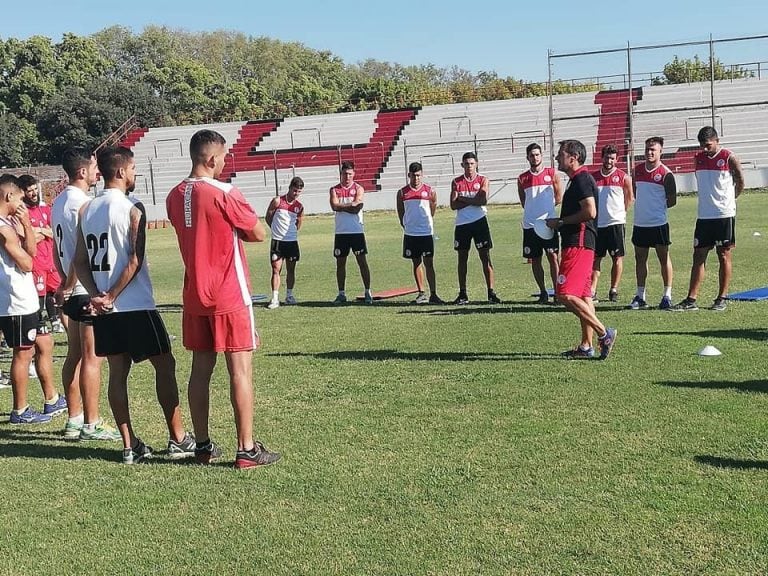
(631, 113)
(712, 77)
(551, 110)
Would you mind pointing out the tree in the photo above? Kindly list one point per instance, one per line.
(18, 141)
(685, 70)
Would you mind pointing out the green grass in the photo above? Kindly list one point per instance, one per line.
(433, 440)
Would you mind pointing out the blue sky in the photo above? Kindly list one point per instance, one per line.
(511, 38)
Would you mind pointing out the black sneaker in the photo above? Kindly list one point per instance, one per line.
(492, 298)
(138, 453)
(257, 456)
(719, 305)
(543, 298)
(207, 453)
(435, 299)
(613, 296)
(461, 299)
(183, 449)
(686, 305)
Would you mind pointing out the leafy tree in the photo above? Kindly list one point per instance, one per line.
(18, 141)
(684, 70)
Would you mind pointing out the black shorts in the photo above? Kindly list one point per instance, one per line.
(19, 331)
(610, 240)
(76, 308)
(715, 232)
(284, 250)
(343, 243)
(418, 246)
(476, 231)
(651, 236)
(534, 246)
(141, 334)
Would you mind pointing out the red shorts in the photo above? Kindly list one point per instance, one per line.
(46, 280)
(232, 332)
(575, 277)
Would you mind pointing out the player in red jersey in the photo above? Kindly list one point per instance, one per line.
(211, 220)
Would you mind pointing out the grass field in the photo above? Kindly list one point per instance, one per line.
(433, 440)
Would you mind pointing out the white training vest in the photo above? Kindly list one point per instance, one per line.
(65, 212)
(18, 295)
(106, 226)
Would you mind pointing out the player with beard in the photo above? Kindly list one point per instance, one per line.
(109, 261)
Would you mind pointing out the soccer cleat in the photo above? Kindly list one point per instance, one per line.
(606, 342)
(207, 453)
(638, 304)
(72, 430)
(29, 416)
(580, 353)
(492, 298)
(435, 299)
(613, 295)
(99, 431)
(665, 304)
(273, 304)
(290, 300)
(421, 298)
(461, 299)
(55, 408)
(686, 305)
(257, 456)
(183, 449)
(719, 305)
(138, 453)
(340, 299)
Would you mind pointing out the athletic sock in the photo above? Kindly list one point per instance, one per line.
(668, 291)
(342, 292)
(203, 444)
(53, 400)
(289, 292)
(368, 292)
(21, 411)
(78, 420)
(275, 296)
(640, 292)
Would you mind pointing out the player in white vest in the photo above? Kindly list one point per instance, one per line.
(284, 216)
(346, 199)
(109, 261)
(614, 199)
(720, 181)
(19, 302)
(416, 204)
(81, 371)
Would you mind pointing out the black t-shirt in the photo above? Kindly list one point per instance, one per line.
(584, 234)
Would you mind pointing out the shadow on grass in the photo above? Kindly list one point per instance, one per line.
(747, 333)
(487, 309)
(734, 463)
(383, 355)
(14, 446)
(747, 386)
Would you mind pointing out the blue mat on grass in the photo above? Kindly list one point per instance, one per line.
(754, 294)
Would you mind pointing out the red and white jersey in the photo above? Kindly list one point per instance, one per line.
(610, 200)
(208, 217)
(64, 215)
(650, 197)
(18, 295)
(40, 217)
(346, 222)
(469, 188)
(717, 191)
(539, 191)
(417, 216)
(106, 228)
(284, 220)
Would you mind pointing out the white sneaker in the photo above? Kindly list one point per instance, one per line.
(291, 300)
(273, 304)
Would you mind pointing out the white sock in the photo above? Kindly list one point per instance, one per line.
(53, 400)
(668, 292)
(78, 420)
(641, 292)
(21, 410)
(275, 296)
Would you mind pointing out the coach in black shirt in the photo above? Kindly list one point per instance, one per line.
(578, 233)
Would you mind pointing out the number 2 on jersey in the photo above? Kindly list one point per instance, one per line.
(96, 245)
